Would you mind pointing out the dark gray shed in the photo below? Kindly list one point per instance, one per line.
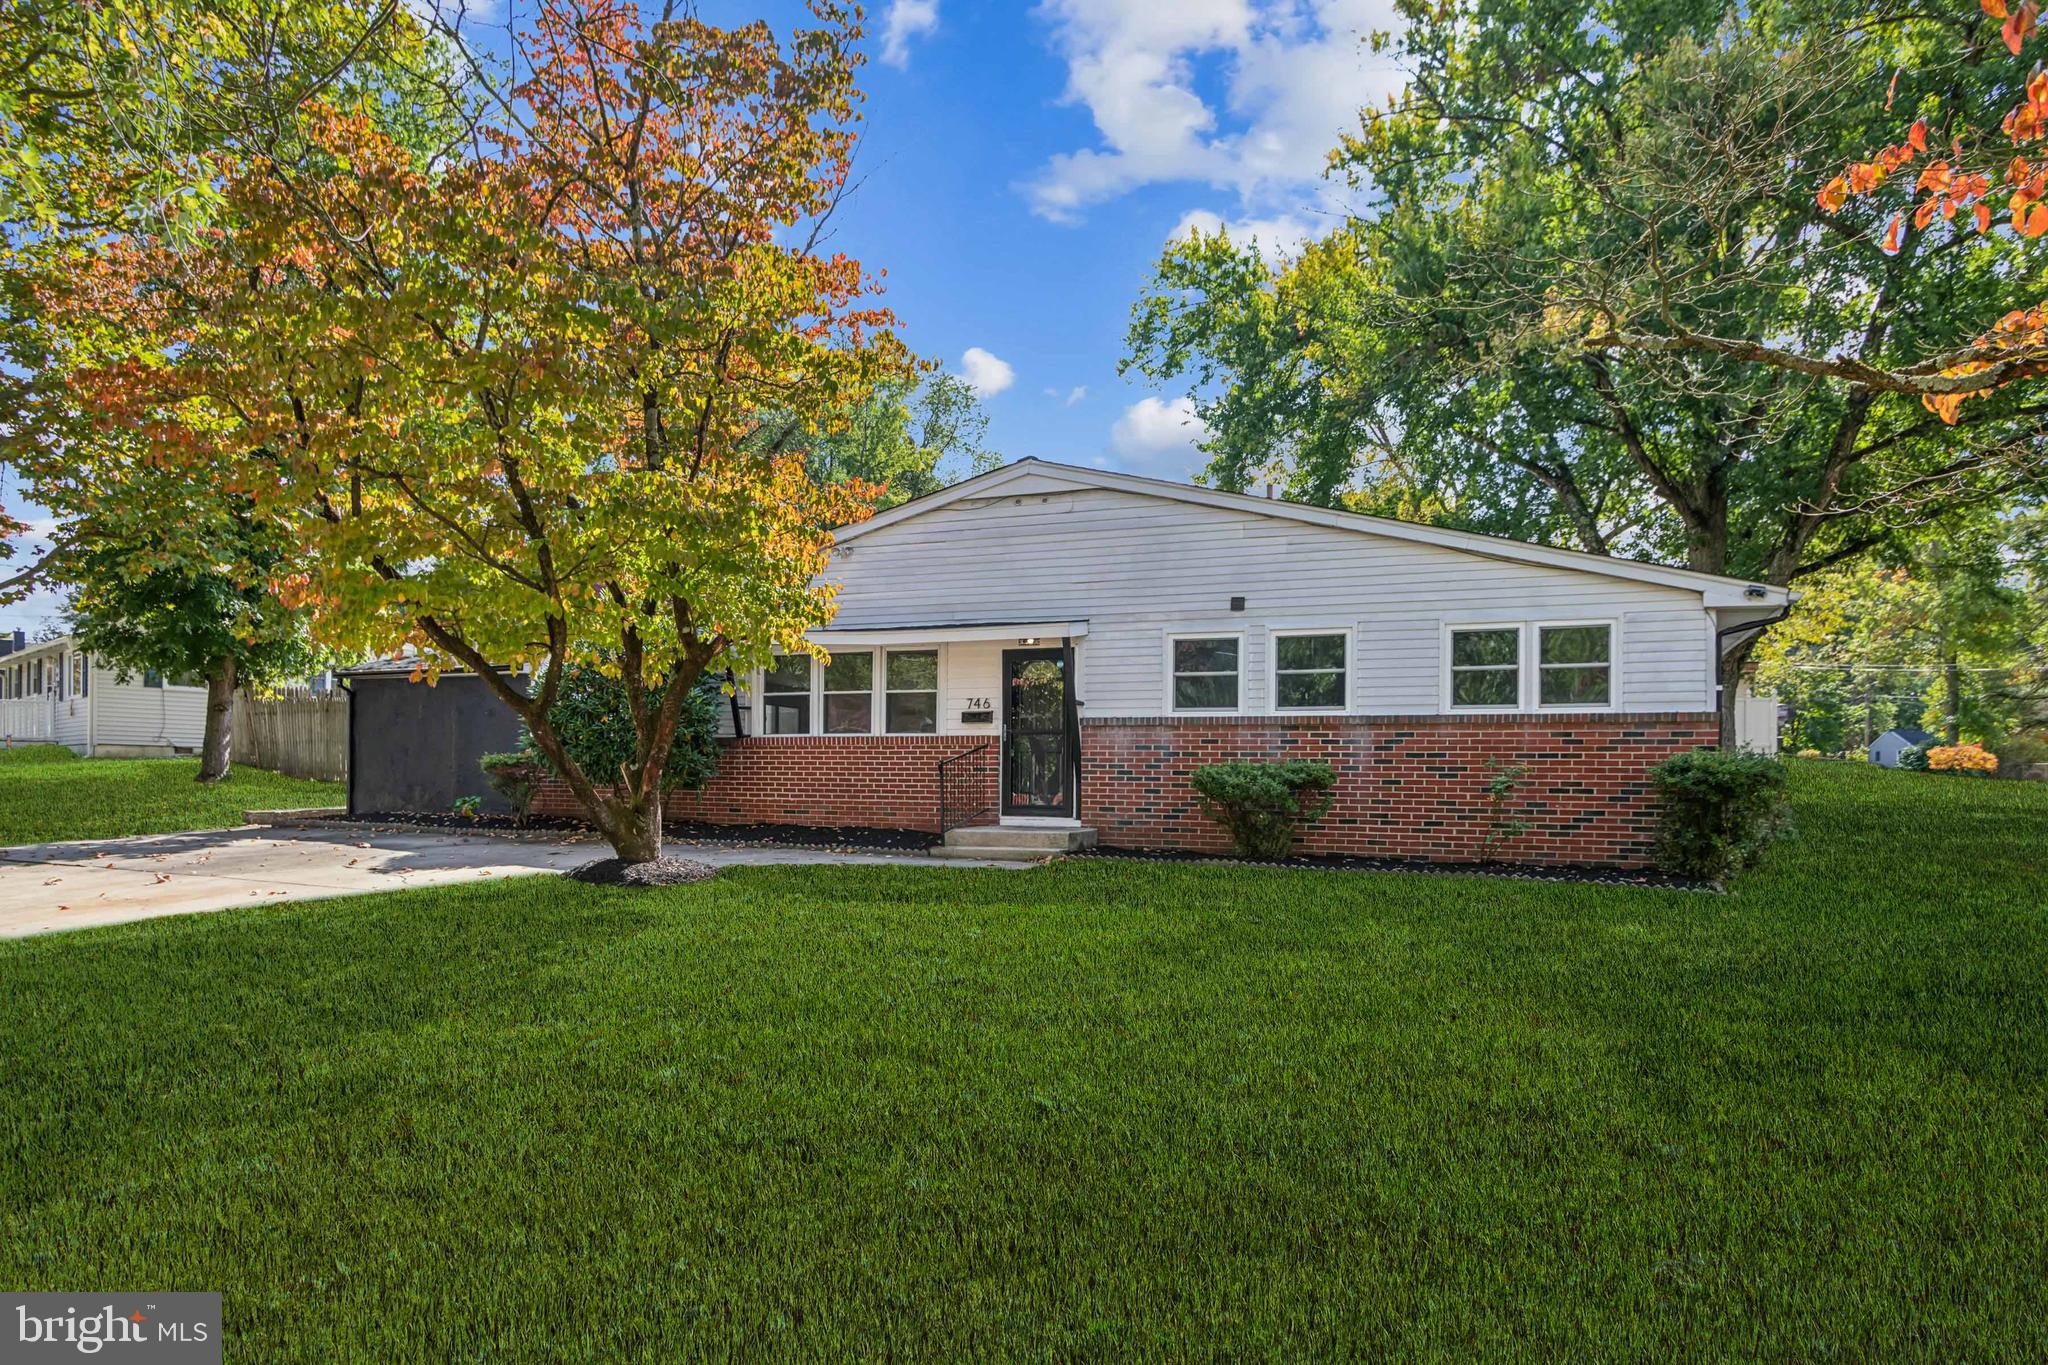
(414, 747)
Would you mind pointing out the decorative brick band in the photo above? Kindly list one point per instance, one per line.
(871, 781)
(1407, 786)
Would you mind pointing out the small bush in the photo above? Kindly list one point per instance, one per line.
(516, 777)
(1809, 753)
(1913, 758)
(596, 726)
(1721, 811)
(1970, 759)
(1265, 805)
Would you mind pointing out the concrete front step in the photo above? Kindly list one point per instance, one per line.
(1029, 840)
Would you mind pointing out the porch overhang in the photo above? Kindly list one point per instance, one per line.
(947, 632)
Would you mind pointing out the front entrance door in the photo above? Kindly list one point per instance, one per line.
(1038, 753)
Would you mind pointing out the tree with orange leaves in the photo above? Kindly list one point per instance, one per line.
(503, 389)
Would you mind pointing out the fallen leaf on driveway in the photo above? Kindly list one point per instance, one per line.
(353, 861)
(163, 877)
(53, 881)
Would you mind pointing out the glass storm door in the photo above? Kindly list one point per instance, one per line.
(1037, 755)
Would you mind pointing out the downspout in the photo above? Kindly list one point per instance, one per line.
(346, 686)
(734, 697)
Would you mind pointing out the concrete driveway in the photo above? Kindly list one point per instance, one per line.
(45, 887)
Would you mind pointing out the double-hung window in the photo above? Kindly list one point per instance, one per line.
(1486, 668)
(911, 680)
(850, 693)
(1309, 670)
(1207, 672)
(1575, 666)
(786, 696)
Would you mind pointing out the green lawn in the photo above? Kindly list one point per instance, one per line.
(49, 793)
(1092, 1111)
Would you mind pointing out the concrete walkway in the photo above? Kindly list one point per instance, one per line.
(45, 887)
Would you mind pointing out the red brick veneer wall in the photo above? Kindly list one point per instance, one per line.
(1407, 786)
(873, 781)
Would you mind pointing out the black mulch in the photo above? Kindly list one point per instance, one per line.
(827, 837)
(499, 824)
(1328, 862)
(662, 871)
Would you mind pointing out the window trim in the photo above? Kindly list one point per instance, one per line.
(1173, 637)
(938, 688)
(1273, 638)
(760, 703)
(820, 691)
(1451, 630)
(1535, 652)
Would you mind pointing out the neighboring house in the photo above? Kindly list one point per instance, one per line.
(1886, 748)
(51, 692)
(1055, 647)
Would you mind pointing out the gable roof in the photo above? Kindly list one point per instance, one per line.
(1907, 733)
(1039, 476)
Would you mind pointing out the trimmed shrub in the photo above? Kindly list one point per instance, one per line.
(1809, 753)
(1265, 805)
(1721, 811)
(516, 777)
(1913, 758)
(1972, 760)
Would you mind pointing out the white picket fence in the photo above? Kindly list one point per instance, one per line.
(296, 733)
(27, 720)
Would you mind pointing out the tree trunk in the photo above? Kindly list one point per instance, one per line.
(220, 719)
(634, 831)
(1952, 719)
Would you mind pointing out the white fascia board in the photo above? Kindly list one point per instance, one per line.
(854, 637)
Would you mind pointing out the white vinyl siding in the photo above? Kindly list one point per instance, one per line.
(1139, 569)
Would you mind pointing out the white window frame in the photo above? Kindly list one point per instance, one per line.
(1455, 628)
(938, 696)
(760, 703)
(1173, 637)
(820, 691)
(1273, 638)
(1534, 649)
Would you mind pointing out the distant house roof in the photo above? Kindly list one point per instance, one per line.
(1910, 736)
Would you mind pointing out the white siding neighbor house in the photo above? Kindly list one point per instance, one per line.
(54, 693)
(1049, 648)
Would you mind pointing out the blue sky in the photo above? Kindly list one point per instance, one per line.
(1023, 165)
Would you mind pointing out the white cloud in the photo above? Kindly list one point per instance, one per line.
(986, 374)
(907, 19)
(1278, 236)
(1156, 436)
(1292, 74)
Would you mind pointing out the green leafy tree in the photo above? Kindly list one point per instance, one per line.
(908, 438)
(188, 596)
(1554, 171)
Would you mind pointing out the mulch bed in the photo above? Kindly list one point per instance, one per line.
(1332, 862)
(832, 838)
(662, 871)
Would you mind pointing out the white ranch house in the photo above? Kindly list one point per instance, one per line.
(52, 692)
(1051, 650)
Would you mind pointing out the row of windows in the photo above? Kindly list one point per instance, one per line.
(65, 676)
(847, 694)
(1485, 669)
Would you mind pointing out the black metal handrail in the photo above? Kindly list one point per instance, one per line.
(944, 808)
